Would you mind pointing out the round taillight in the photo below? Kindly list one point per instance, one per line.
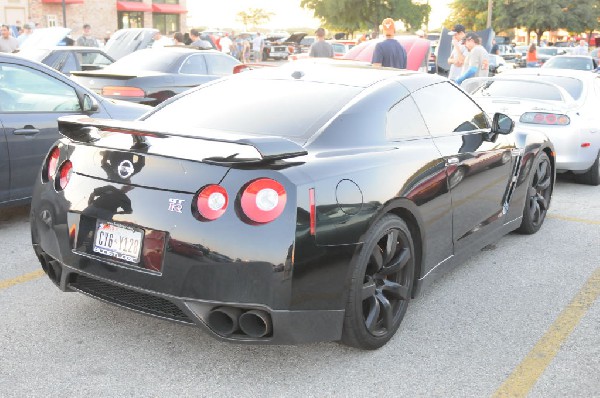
(64, 174)
(212, 201)
(263, 200)
(51, 163)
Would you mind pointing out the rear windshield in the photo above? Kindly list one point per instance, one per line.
(516, 89)
(571, 85)
(294, 109)
(146, 60)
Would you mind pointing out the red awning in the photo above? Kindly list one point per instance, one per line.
(133, 6)
(60, 1)
(169, 8)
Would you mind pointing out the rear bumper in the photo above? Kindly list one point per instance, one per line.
(286, 326)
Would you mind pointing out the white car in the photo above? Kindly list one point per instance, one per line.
(563, 103)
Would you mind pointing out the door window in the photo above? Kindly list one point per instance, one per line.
(448, 110)
(404, 121)
(194, 65)
(27, 90)
(220, 64)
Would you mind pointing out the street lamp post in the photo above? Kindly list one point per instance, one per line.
(64, 10)
(489, 15)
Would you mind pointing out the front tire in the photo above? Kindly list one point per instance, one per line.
(381, 285)
(539, 192)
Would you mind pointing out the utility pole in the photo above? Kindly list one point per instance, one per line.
(64, 10)
(489, 17)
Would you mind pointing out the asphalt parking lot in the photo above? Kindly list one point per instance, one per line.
(522, 318)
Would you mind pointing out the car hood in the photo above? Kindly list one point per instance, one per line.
(295, 38)
(126, 41)
(45, 37)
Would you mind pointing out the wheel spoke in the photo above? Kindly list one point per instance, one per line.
(399, 263)
(542, 186)
(395, 290)
(388, 315)
(542, 202)
(368, 289)
(377, 258)
(542, 170)
(390, 245)
(373, 316)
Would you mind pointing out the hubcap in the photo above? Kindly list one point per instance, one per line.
(386, 284)
(539, 192)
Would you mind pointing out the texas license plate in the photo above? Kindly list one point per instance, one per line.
(119, 241)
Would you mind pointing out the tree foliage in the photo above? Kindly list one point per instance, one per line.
(352, 15)
(254, 17)
(537, 16)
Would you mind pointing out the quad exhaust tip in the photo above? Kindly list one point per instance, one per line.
(228, 321)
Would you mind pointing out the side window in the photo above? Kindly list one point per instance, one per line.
(70, 64)
(93, 58)
(448, 110)
(194, 65)
(27, 90)
(220, 64)
(404, 121)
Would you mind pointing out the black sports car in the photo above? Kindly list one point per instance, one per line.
(319, 222)
(32, 97)
(151, 76)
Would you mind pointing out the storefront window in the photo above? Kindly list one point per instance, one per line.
(165, 1)
(130, 19)
(166, 23)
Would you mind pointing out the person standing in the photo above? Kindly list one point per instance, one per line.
(226, 44)
(320, 48)
(86, 39)
(8, 43)
(27, 30)
(197, 41)
(477, 63)
(459, 52)
(258, 44)
(532, 61)
(581, 49)
(390, 52)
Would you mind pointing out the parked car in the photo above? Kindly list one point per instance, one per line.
(545, 53)
(277, 47)
(432, 61)
(306, 42)
(32, 97)
(316, 222)
(417, 51)
(153, 75)
(341, 47)
(67, 59)
(561, 102)
(578, 62)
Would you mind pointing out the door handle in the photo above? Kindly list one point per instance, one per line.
(26, 131)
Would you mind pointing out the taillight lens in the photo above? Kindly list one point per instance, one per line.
(263, 200)
(64, 175)
(51, 163)
(211, 202)
(118, 91)
(545, 118)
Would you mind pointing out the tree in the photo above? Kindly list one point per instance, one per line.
(367, 14)
(470, 13)
(254, 17)
(582, 16)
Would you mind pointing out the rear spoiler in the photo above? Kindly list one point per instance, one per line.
(87, 130)
(101, 73)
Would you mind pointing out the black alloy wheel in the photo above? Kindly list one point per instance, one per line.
(382, 285)
(538, 196)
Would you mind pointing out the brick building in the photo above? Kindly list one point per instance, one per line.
(103, 15)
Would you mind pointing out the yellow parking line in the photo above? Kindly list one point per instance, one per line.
(21, 279)
(524, 377)
(581, 220)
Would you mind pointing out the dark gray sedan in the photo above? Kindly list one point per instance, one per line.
(32, 97)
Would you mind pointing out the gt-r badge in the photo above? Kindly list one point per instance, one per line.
(125, 169)
(176, 205)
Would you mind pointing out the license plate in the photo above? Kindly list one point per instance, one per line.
(119, 241)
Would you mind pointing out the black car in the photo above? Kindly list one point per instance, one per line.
(67, 59)
(151, 76)
(318, 222)
(32, 97)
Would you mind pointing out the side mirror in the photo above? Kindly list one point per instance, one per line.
(502, 124)
(90, 105)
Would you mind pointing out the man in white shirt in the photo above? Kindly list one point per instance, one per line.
(459, 52)
(257, 47)
(8, 43)
(581, 49)
(226, 44)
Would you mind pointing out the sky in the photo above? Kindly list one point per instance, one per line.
(287, 14)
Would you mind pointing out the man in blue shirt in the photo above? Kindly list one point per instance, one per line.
(389, 52)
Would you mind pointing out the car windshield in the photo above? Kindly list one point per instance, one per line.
(515, 89)
(547, 51)
(562, 62)
(294, 109)
(146, 60)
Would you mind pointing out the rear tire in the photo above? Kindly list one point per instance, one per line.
(381, 285)
(539, 192)
(592, 176)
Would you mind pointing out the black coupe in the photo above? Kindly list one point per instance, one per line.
(316, 222)
(151, 76)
